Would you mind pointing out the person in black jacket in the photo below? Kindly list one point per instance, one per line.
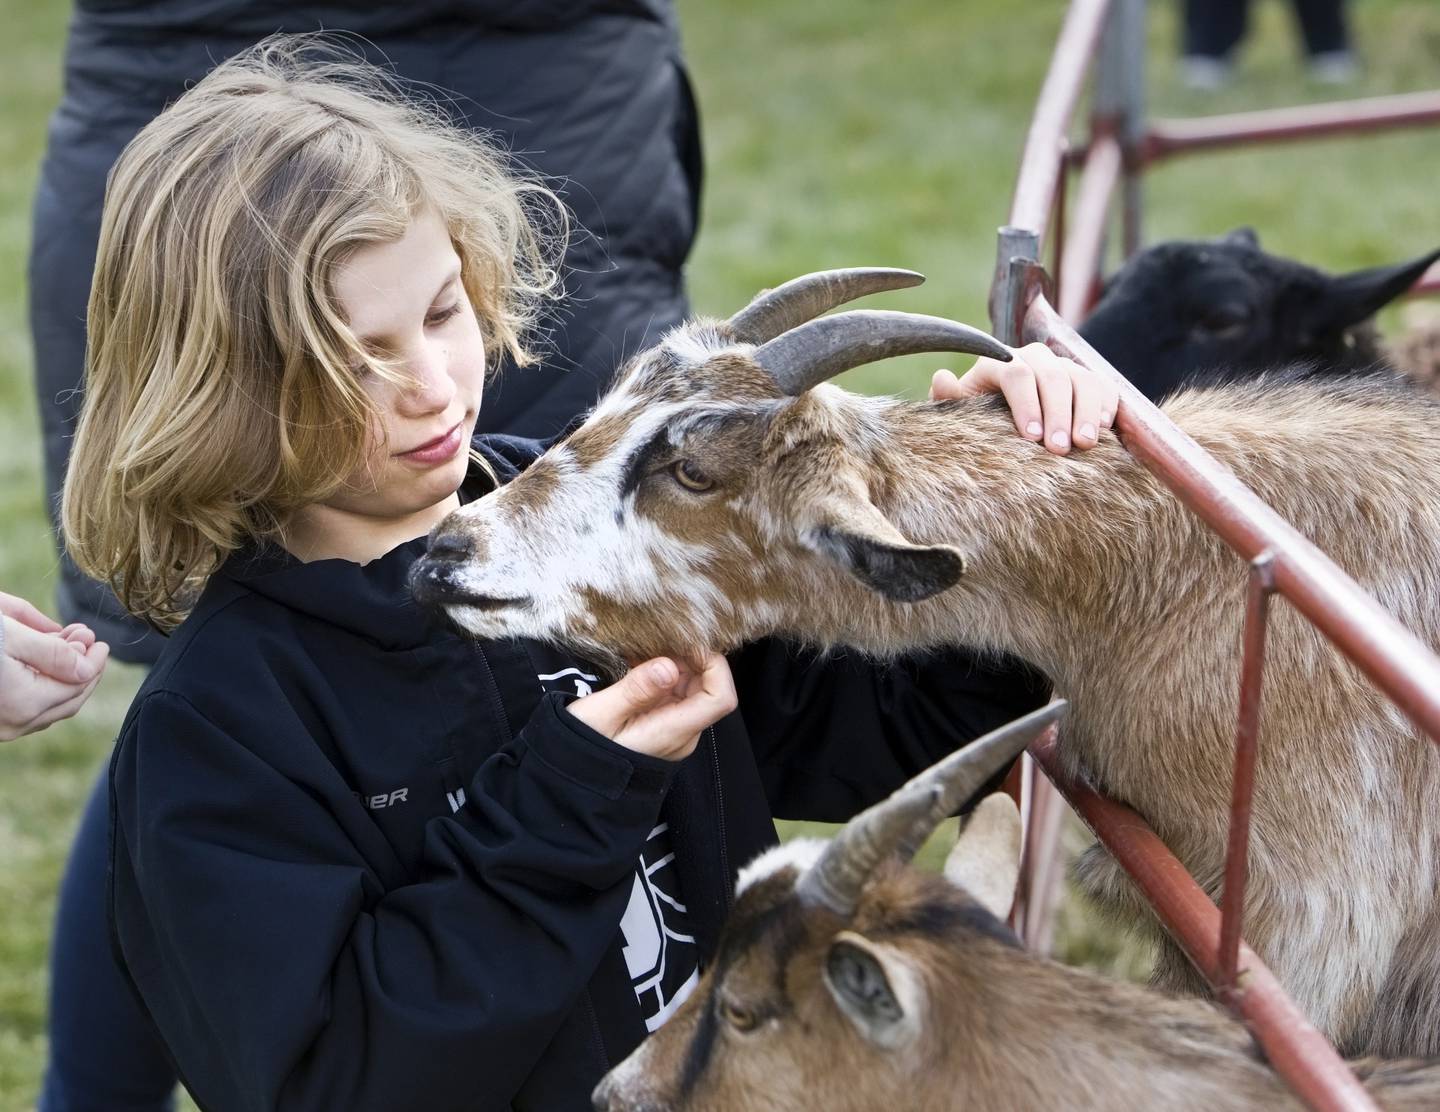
(359, 861)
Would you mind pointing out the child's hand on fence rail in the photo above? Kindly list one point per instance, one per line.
(1054, 400)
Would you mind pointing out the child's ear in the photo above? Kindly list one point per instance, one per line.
(986, 860)
(877, 987)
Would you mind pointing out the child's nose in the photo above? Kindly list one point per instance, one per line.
(433, 387)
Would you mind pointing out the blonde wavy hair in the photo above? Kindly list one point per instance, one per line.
(221, 393)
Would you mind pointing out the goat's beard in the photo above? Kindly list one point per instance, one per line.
(612, 659)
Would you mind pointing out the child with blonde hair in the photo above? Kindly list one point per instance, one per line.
(358, 861)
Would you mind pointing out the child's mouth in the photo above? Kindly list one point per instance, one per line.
(439, 450)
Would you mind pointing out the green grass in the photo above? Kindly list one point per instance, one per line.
(838, 133)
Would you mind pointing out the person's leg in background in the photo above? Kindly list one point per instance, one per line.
(1326, 35)
(105, 1055)
(1212, 30)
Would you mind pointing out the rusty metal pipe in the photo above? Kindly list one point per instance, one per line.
(1398, 662)
(1299, 1053)
(1247, 729)
(1166, 138)
(1103, 163)
(1035, 188)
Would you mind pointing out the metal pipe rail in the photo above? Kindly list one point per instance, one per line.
(1119, 149)
(1398, 662)
(1167, 138)
(1295, 1048)
(1040, 170)
(1364, 632)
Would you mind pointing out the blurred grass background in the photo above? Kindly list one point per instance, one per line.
(836, 134)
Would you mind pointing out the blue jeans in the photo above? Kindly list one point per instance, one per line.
(105, 1055)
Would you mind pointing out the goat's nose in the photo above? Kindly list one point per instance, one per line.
(448, 548)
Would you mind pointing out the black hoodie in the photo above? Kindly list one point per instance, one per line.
(361, 862)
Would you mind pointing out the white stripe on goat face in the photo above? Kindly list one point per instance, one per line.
(585, 535)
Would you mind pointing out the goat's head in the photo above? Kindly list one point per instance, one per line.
(1227, 309)
(842, 974)
(642, 532)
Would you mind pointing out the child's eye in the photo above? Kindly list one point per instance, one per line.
(440, 316)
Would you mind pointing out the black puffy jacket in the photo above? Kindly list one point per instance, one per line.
(590, 93)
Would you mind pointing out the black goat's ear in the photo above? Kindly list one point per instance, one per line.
(1243, 237)
(876, 987)
(1347, 299)
(890, 565)
(845, 527)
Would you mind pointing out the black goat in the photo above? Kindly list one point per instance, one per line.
(1223, 309)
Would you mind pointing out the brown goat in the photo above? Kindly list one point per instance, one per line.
(888, 988)
(720, 494)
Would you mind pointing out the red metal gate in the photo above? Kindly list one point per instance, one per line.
(1024, 308)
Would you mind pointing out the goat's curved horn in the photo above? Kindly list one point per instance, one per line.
(820, 350)
(901, 823)
(805, 298)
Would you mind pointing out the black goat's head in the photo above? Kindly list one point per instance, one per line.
(1224, 309)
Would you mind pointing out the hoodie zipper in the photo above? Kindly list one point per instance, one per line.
(725, 886)
(495, 700)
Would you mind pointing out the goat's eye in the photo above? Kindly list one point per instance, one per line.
(691, 477)
(738, 1016)
(1224, 322)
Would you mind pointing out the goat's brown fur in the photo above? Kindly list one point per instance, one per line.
(1000, 1028)
(1086, 567)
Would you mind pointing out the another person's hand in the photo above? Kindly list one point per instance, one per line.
(1054, 400)
(46, 671)
(660, 707)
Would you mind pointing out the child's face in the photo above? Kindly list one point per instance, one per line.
(404, 299)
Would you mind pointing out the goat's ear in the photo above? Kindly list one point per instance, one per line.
(1242, 237)
(877, 987)
(860, 539)
(1348, 299)
(986, 860)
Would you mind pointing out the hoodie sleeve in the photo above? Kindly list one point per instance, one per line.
(284, 973)
(834, 733)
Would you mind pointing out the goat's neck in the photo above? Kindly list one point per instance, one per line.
(1045, 537)
(1102, 1040)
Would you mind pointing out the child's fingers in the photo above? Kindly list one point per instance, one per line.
(945, 385)
(62, 710)
(30, 700)
(79, 634)
(13, 606)
(1088, 407)
(49, 654)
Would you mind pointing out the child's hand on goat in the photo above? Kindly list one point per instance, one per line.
(660, 707)
(1054, 400)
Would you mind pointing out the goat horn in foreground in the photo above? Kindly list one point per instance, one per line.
(821, 349)
(805, 298)
(901, 823)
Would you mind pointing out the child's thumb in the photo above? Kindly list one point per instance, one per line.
(643, 688)
(651, 683)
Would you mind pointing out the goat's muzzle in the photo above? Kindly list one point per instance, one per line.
(437, 579)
